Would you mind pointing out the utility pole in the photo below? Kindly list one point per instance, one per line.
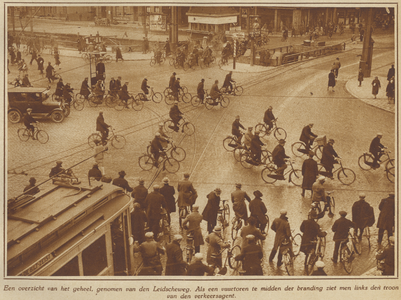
(174, 27)
(144, 21)
(367, 51)
(31, 18)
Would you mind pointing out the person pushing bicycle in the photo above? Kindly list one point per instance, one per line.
(28, 121)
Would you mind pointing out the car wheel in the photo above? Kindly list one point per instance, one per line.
(14, 116)
(57, 116)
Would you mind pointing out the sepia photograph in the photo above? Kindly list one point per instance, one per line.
(200, 150)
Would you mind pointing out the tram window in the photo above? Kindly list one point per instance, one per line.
(69, 269)
(94, 258)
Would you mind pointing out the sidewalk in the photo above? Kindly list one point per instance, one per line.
(364, 93)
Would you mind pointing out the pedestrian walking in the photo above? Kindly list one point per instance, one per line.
(119, 55)
(375, 86)
(145, 45)
(211, 209)
(40, 62)
(139, 193)
(336, 66)
(309, 173)
(386, 217)
(341, 228)
(49, 72)
(281, 227)
(175, 264)
(390, 91)
(391, 73)
(362, 215)
(57, 59)
(192, 223)
(332, 81)
(360, 77)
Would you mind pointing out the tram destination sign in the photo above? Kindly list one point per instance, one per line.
(37, 265)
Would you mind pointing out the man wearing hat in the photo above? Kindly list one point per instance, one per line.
(31, 189)
(251, 257)
(200, 90)
(328, 157)
(215, 92)
(253, 230)
(248, 138)
(198, 268)
(150, 251)
(227, 82)
(319, 272)
(167, 47)
(238, 198)
(175, 265)
(118, 83)
(25, 81)
(100, 70)
(172, 80)
(176, 88)
(29, 120)
(340, 228)
(279, 157)
(319, 194)
(309, 173)
(310, 229)
(376, 148)
(186, 193)
(211, 209)
(124, 94)
(192, 222)
(235, 130)
(307, 136)
(122, 182)
(68, 93)
(362, 214)
(154, 203)
(258, 210)
(57, 170)
(59, 88)
(386, 219)
(168, 192)
(139, 193)
(138, 220)
(216, 244)
(256, 147)
(85, 89)
(388, 256)
(102, 127)
(281, 227)
(112, 86)
(156, 149)
(144, 88)
(94, 173)
(164, 138)
(175, 116)
(268, 118)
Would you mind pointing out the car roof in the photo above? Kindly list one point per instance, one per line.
(27, 90)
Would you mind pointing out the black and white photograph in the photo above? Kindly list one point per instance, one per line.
(200, 150)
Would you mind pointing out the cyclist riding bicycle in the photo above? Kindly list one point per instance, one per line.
(341, 229)
(256, 148)
(175, 115)
(376, 148)
(319, 194)
(158, 55)
(307, 136)
(215, 92)
(235, 129)
(144, 88)
(238, 198)
(68, 93)
(28, 121)
(282, 240)
(269, 118)
(201, 90)
(98, 91)
(124, 95)
(59, 88)
(207, 55)
(328, 157)
(85, 89)
(156, 149)
(279, 158)
(112, 87)
(227, 82)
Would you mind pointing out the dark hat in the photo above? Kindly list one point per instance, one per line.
(59, 162)
(343, 213)
(202, 79)
(281, 141)
(186, 175)
(32, 180)
(257, 193)
(311, 153)
(145, 79)
(122, 173)
(313, 214)
(174, 73)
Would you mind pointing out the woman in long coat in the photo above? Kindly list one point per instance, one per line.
(309, 173)
(332, 81)
(375, 86)
(211, 209)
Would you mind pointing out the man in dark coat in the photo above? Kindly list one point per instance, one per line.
(49, 72)
(388, 255)
(59, 88)
(386, 217)
(68, 93)
(122, 182)
(268, 118)
(360, 77)
(251, 229)
(391, 73)
(227, 82)
(154, 203)
(156, 148)
(281, 227)
(193, 221)
(197, 268)
(138, 220)
(85, 89)
(144, 88)
(336, 66)
(279, 156)
(145, 44)
(175, 115)
(216, 244)
(376, 148)
(390, 91)
(100, 70)
(176, 88)
(256, 147)
(118, 83)
(112, 86)
(332, 81)
(258, 210)
(186, 192)
(119, 55)
(175, 265)
(340, 228)
(94, 173)
(200, 90)
(167, 47)
(235, 129)
(168, 192)
(139, 193)
(29, 120)
(362, 215)
(214, 91)
(251, 257)
(150, 251)
(57, 170)
(310, 229)
(328, 157)
(307, 136)
(309, 173)
(25, 81)
(171, 81)
(31, 189)
(34, 57)
(102, 127)
(211, 209)
(40, 62)
(238, 198)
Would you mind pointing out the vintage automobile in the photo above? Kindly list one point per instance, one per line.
(21, 98)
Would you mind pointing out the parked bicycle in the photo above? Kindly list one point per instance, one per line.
(117, 141)
(186, 127)
(25, 134)
(279, 133)
(299, 148)
(365, 162)
(345, 175)
(237, 90)
(269, 174)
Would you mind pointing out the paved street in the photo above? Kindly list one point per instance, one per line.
(298, 94)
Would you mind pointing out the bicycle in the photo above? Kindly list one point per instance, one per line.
(329, 206)
(365, 162)
(24, 134)
(269, 174)
(196, 101)
(147, 162)
(279, 133)
(237, 225)
(178, 153)
(316, 253)
(186, 127)
(247, 159)
(358, 244)
(208, 62)
(189, 247)
(156, 97)
(223, 61)
(164, 226)
(183, 212)
(345, 175)
(237, 90)
(153, 61)
(347, 252)
(299, 148)
(133, 102)
(223, 215)
(117, 141)
(223, 101)
(232, 252)
(183, 96)
(290, 249)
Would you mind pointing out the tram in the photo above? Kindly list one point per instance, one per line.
(70, 230)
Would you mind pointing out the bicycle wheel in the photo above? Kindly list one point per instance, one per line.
(169, 99)
(226, 215)
(93, 101)
(137, 104)
(365, 161)
(296, 244)
(184, 89)
(319, 152)
(152, 62)
(92, 138)
(209, 103)
(42, 136)
(266, 156)
(171, 165)
(223, 90)
(168, 126)
(265, 175)
(167, 91)
(235, 228)
(111, 101)
(262, 129)
(346, 176)
(78, 104)
(246, 160)
(299, 149)
(322, 246)
(280, 133)
(235, 251)
(230, 144)
(239, 153)
(186, 97)
(345, 258)
(224, 102)
(120, 105)
(196, 101)
(23, 134)
(118, 141)
(310, 263)
(145, 162)
(238, 91)
(366, 233)
(157, 97)
(188, 128)
(390, 173)
(332, 204)
(296, 177)
(289, 263)
(178, 154)
(357, 244)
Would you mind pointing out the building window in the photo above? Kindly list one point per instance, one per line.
(157, 9)
(94, 258)
(69, 269)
